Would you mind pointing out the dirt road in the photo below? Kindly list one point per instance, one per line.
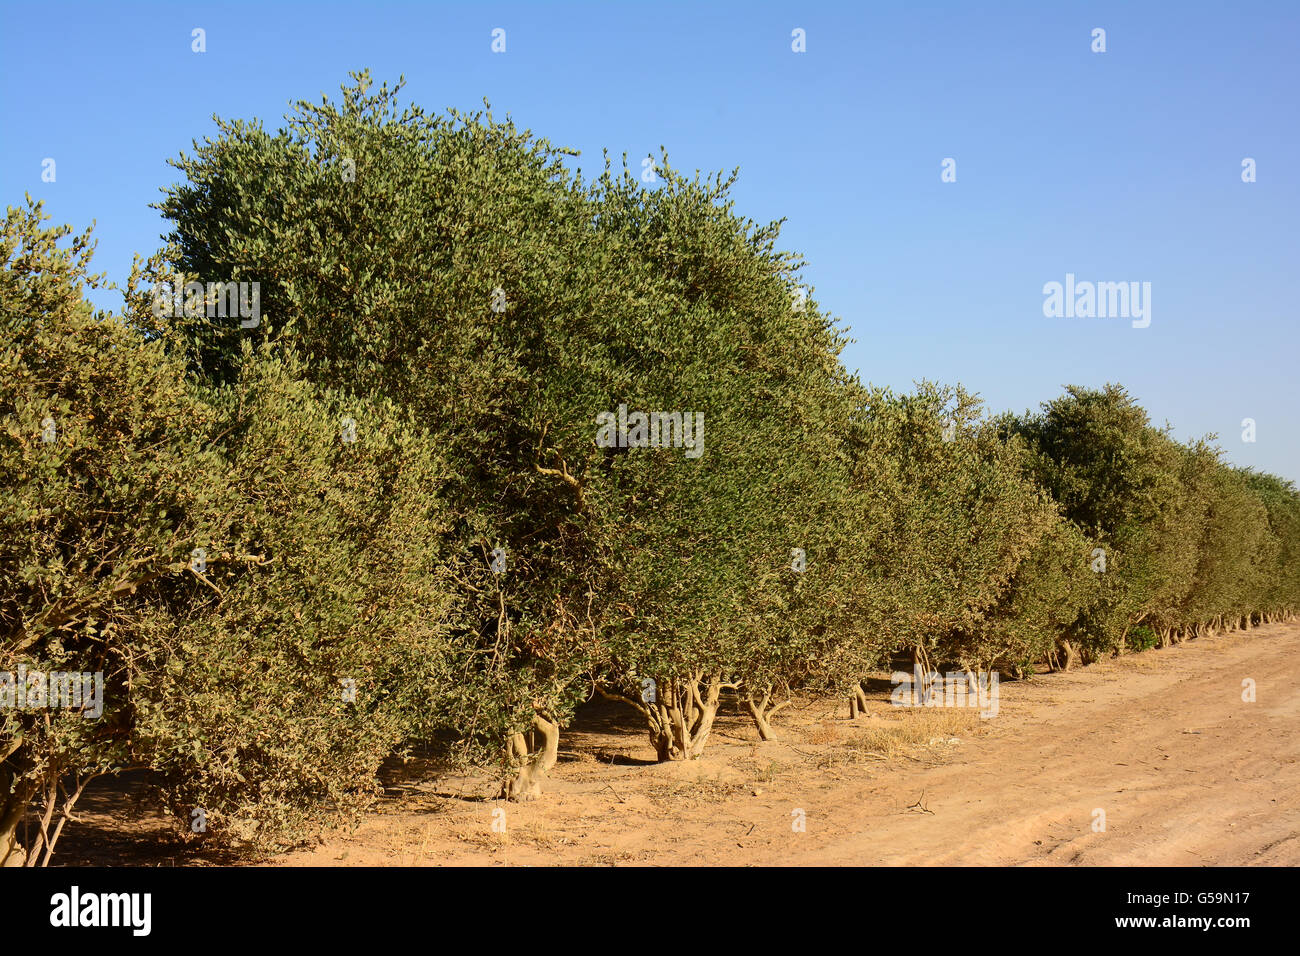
(1184, 770)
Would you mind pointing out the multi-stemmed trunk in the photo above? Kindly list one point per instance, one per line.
(55, 804)
(679, 715)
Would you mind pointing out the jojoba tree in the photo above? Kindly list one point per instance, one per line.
(709, 579)
(1279, 596)
(106, 481)
(945, 519)
(255, 601)
(1234, 555)
(1125, 484)
(452, 266)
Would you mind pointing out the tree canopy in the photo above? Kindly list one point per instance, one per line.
(501, 438)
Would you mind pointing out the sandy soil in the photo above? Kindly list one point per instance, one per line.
(1185, 771)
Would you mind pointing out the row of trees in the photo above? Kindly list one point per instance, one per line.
(381, 517)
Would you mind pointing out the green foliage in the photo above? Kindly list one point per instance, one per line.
(1142, 638)
(320, 560)
(1279, 571)
(1187, 540)
(331, 581)
(702, 575)
(1121, 482)
(945, 523)
(476, 559)
(105, 481)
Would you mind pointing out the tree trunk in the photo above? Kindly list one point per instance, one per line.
(762, 713)
(920, 660)
(1071, 654)
(860, 696)
(12, 853)
(706, 711)
(681, 719)
(531, 768)
(13, 810)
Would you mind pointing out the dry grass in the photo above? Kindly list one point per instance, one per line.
(912, 732)
(762, 770)
(672, 793)
(614, 858)
(823, 733)
(536, 833)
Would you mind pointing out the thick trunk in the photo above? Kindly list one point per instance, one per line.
(678, 719)
(762, 711)
(663, 744)
(703, 727)
(681, 719)
(758, 714)
(532, 766)
(857, 700)
(13, 810)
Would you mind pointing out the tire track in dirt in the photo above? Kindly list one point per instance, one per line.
(1184, 770)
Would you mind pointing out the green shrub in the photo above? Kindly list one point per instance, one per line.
(106, 485)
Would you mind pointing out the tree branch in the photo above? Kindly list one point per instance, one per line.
(645, 712)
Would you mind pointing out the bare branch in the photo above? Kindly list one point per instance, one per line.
(645, 712)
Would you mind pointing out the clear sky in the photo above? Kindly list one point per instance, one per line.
(1117, 166)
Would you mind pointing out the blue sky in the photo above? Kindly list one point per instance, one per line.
(1115, 166)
